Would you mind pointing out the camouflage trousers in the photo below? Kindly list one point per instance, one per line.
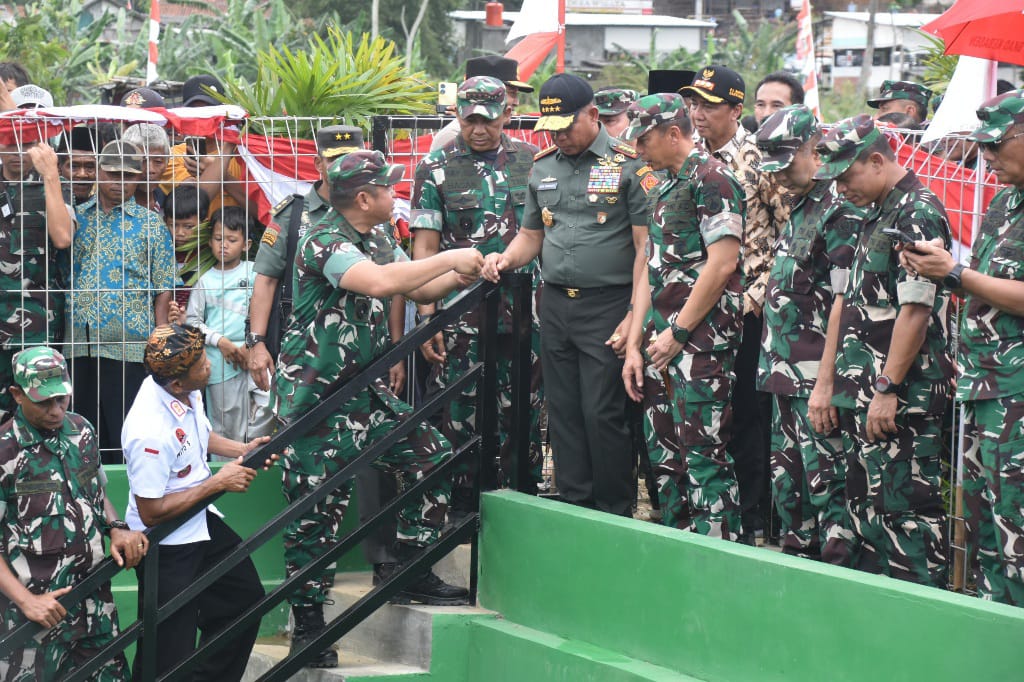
(458, 419)
(687, 425)
(894, 500)
(809, 485)
(326, 449)
(994, 496)
(57, 656)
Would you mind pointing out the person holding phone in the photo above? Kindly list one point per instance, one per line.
(991, 355)
(893, 366)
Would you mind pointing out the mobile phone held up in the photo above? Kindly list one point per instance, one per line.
(195, 146)
(900, 236)
(446, 96)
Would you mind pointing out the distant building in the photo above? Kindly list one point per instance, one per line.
(899, 47)
(590, 38)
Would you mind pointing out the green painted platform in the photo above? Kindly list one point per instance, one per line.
(587, 596)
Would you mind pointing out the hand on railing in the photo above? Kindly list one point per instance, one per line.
(43, 608)
(127, 547)
(175, 313)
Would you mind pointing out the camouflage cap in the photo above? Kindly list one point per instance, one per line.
(42, 373)
(333, 141)
(481, 95)
(172, 349)
(652, 110)
(891, 90)
(118, 155)
(614, 101)
(843, 145)
(782, 134)
(364, 167)
(999, 114)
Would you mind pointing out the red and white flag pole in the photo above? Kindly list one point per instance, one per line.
(805, 58)
(154, 41)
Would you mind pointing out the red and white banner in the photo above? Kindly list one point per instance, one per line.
(805, 58)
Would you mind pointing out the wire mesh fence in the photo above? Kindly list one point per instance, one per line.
(143, 239)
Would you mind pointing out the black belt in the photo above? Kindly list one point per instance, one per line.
(584, 292)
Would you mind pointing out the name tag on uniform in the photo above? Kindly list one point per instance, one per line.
(547, 183)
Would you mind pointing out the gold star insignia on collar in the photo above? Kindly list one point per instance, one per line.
(337, 136)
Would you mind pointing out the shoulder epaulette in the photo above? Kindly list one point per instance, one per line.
(283, 204)
(544, 152)
(623, 148)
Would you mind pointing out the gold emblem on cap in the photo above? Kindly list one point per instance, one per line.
(547, 217)
(551, 100)
(708, 73)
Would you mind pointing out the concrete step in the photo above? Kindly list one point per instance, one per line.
(352, 665)
(396, 633)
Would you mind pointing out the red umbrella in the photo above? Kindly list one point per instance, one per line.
(990, 29)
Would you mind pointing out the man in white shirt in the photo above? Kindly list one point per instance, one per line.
(166, 437)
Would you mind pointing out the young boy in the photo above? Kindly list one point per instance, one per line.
(218, 306)
(184, 209)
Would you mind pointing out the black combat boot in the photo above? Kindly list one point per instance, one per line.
(428, 588)
(309, 622)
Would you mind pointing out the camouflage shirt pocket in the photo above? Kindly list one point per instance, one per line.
(465, 212)
(28, 241)
(41, 517)
(1007, 261)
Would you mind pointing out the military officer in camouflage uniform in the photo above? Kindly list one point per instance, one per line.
(272, 269)
(812, 265)
(716, 104)
(612, 103)
(54, 513)
(893, 368)
(586, 215)
(903, 97)
(346, 270)
(471, 194)
(36, 228)
(991, 383)
(687, 321)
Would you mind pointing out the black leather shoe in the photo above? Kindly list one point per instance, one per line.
(309, 621)
(427, 589)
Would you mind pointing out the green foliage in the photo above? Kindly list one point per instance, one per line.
(333, 77)
(435, 47)
(60, 47)
(938, 67)
(753, 52)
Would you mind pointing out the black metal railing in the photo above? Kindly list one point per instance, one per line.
(483, 445)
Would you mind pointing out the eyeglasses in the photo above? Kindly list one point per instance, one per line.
(994, 146)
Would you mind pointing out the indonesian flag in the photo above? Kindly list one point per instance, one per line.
(805, 58)
(154, 41)
(536, 16)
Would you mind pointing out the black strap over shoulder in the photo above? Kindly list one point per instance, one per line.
(282, 307)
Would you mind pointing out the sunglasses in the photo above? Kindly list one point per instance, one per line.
(994, 146)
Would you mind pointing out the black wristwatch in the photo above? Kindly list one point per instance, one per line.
(884, 384)
(117, 524)
(680, 334)
(252, 339)
(952, 280)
